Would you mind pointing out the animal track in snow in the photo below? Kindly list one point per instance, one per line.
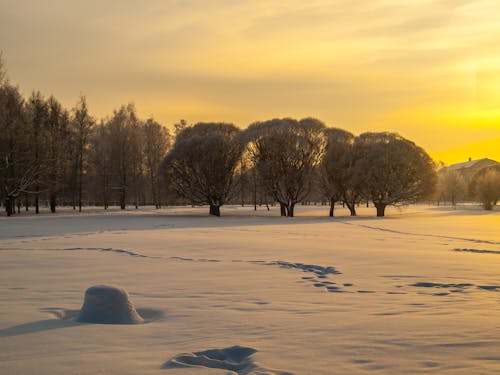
(478, 251)
(318, 270)
(454, 288)
(475, 240)
(108, 249)
(321, 274)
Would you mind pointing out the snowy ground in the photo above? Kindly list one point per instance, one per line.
(412, 293)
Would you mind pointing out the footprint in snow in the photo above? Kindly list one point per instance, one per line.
(235, 358)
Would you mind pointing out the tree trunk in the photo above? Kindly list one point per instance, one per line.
(80, 178)
(290, 209)
(52, 200)
(380, 209)
(80, 192)
(488, 206)
(282, 209)
(154, 192)
(37, 205)
(18, 202)
(332, 206)
(105, 198)
(214, 210)
(8, 206)
(254, 191)
(352, 208)
(122, 199)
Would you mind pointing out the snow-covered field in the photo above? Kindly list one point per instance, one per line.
(412, 293)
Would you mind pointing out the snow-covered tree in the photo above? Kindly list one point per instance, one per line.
(202, 163)
(392, 170)
(286, 153)
(451, 187)
(336, 170)
(487, 188)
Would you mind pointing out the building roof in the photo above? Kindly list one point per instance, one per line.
(470, 164)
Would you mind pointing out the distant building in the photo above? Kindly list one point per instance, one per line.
(471, 167)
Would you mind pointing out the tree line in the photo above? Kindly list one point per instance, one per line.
(67, 157)
(291, 161)
(484, 186)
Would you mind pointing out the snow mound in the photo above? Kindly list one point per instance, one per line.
(108, 305)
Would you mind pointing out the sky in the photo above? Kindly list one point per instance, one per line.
(427, 69)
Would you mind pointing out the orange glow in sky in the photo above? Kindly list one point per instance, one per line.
(428, 69)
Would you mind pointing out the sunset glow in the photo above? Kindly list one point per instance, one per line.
(426, 69)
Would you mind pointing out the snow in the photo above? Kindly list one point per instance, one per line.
(107, 304)
(412, 293)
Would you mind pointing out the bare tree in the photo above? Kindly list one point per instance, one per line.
(179, 127)
(136, 158)
(157, 141)
(38, 113)
(336, 170)
(57, 135)
(451, 187)
(392, 170)
(100, 161)
(82, 124)
(202, 163)
(122, 129)
(3, 75)
(18, 173)
(487, 188)
(286, 153)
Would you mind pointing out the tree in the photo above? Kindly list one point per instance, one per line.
(179, 127)
(82, 124)
(286, 153)
(202, 163)
(100, 161)
(136, 158)
(487, 188)
(451, 187)
(122, 130)
(38, 114)
(57, 140)
(3, 79)
(17, 170)
(336, 170)
(392, 170)
(157, 141)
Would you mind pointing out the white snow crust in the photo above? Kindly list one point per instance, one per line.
(416, 292)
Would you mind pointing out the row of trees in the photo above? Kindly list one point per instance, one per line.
(292, 160)
(49, 153)
(67, 157)
(484, 186)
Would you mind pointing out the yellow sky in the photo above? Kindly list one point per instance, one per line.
(428, 69)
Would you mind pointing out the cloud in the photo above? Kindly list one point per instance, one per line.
(362, 65)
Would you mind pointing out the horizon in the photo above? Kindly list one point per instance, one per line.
(426, 71)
